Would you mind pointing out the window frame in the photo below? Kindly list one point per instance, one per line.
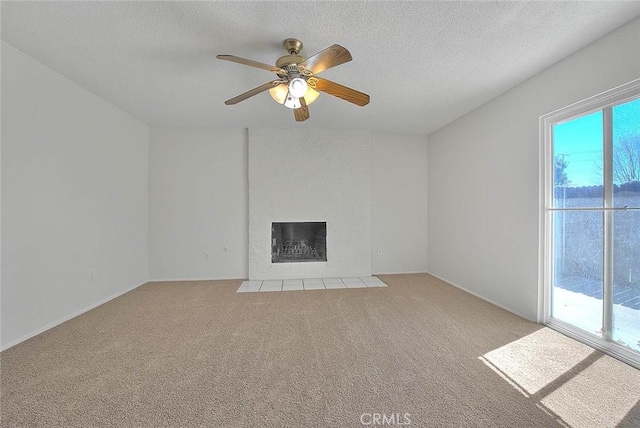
(604, 102)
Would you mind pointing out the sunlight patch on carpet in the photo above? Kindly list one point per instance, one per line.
(536, 360)
(570, 381)
(595, 397)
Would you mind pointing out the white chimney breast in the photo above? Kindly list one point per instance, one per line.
(309, 175)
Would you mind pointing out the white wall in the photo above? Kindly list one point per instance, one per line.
(399, 203)
(197, 203)
(483, 217)
(74, 198)
(298, 175)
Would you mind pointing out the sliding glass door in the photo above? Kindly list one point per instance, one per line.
(592, 221)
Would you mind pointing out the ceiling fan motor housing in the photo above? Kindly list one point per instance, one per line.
(289, 62)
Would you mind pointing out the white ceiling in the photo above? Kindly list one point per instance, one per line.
(423, 63)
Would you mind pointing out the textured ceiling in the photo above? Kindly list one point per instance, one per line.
(423, 63)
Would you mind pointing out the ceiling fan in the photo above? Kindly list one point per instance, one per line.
(297, 85)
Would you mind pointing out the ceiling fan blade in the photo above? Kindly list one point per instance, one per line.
(252, 92)
(251, 63)
(330, 57)
(343, 92)
(301, 114)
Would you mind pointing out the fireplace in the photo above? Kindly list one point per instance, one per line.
(298, 242)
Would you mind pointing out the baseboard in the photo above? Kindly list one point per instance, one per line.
(196, 279)
(67, 318)
(401, 273)
(481, 297)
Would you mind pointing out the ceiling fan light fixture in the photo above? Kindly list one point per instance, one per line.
(281, 92)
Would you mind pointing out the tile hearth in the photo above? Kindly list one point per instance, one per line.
(310, 284)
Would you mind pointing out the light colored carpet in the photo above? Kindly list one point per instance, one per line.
(200, 354)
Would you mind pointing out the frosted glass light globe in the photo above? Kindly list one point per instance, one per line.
(298, 87)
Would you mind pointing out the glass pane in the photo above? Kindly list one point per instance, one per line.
(576, 294)
(626, 154)
(626, 224)
(578, 155)
(626, 278)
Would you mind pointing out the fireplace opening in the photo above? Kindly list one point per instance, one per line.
(298, 242)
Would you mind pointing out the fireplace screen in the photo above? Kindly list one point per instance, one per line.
(298, 242)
